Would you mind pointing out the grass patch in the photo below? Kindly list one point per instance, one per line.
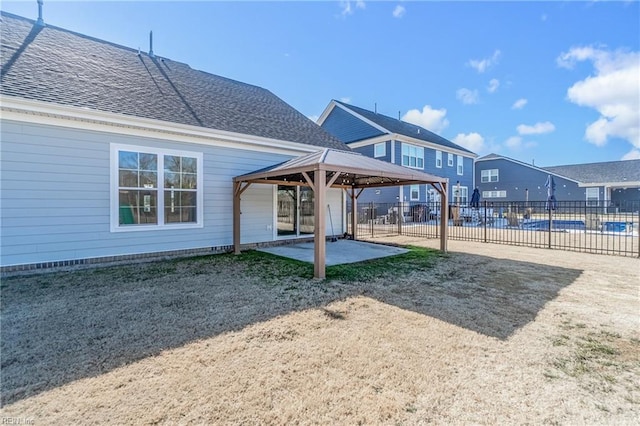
(595, 358)
(560, 340)
(593, 348)
(273, 268)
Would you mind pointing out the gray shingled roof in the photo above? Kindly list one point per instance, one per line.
(56, 65)
(598, 173)
(393, 125)
(605, 172)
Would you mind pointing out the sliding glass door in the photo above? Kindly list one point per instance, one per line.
(295, 215)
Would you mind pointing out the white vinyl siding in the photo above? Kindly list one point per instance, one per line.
(70, 170)
(380, 149)
(439, 159)
(450, 160)
(412, 156)
(490, 175)
(155, 188)
(460, 165)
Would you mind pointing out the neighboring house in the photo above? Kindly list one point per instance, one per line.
(108, 152)
(398, 142)
(611, 184)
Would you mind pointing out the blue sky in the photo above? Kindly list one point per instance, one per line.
(550, 82)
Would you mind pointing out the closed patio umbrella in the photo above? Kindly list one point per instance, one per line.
(551, 193)
(475, 198)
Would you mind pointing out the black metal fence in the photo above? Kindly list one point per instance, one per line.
(572, 225)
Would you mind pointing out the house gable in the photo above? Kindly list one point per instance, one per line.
(513, 180)
(403, 130)
(348, 127)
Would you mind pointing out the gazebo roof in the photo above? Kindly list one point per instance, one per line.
(356, 171)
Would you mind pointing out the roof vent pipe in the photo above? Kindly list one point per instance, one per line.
(151, 44)
(40, 22)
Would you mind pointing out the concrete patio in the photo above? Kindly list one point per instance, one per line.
(337, 253)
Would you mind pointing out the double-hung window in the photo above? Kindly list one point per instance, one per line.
(412, 156)
(439, 159)
(494, 194)
(449, 159)
(415, 192)
(489, 175)
(593, 196)
(460, 165)
(460, 194)
(155, 188)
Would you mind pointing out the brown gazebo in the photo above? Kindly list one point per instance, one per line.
(332, 168)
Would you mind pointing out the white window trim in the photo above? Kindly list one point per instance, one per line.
(592, 199)
(460, 165)
(494, 194)
(461, 200)
(488, 174)
(114, 184)
(439, 159)
(411, 193)
(419, 155)
(433, 195)
(384, 150)
(450, 159)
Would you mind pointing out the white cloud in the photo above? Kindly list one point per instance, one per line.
(612, 91)
(519, 104)
(634, 154)
(536, 129)
(345, 99)
(467, 96)
(314, 118)
(399, 11)
(429, 118)
(347, 9)
(514, 142)
(493, 85)
(472, 141)
(481, 65)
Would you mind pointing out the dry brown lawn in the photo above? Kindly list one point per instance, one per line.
(487, 334)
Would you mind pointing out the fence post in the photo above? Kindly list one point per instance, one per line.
(638, 229)
(400, 217)
(371, 218)
(437, 222)
(485, 221)
(549, 207)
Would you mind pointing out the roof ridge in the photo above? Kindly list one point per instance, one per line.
(75, 33)
(130, 49)
(404, 128)
(594, 163)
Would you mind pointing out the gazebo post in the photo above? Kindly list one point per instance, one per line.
(236, 217)
(354, 212)
(238, 189)
(320, 188)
